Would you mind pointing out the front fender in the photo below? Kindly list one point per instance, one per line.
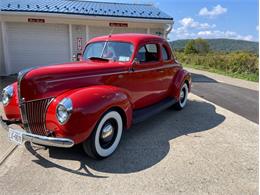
(11, 110)
(89, 104)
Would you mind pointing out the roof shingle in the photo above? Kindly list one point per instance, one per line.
(88, 8)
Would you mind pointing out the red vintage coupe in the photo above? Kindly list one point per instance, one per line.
(118, 80)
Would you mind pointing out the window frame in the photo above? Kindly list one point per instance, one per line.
(169, 56)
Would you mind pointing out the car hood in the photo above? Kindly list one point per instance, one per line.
(50, 81)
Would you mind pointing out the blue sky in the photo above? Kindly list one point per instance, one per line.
(237, 19)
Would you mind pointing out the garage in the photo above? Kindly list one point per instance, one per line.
(36, 44)
(39, 34)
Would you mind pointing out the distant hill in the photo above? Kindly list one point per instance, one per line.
(222, 45)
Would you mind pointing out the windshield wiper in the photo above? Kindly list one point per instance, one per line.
(98, 58)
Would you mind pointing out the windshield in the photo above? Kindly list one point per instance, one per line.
(111, 50)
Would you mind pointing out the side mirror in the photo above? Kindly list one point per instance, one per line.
(135, 62)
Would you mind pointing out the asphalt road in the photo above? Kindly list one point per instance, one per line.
(203, 149)
(239, 100)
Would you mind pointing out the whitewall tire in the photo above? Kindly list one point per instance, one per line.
(183, 97)
(106, 136)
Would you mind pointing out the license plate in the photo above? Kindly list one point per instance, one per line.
(15, 136)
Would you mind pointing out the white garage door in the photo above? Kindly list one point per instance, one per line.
(37, 44)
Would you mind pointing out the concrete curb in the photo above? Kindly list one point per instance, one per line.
(8, 152)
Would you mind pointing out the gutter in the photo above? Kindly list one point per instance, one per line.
(87, 17)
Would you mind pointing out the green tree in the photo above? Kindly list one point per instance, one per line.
(190, 47)
(197, 46)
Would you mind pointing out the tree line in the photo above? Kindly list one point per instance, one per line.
(240, 64)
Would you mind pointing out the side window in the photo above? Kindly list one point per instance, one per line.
(148, 53)
(165, 54)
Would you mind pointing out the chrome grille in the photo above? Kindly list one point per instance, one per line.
(32, 112)
(35, 115)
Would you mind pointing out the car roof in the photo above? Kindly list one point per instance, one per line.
(134, 38)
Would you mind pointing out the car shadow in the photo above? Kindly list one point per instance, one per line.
(142, 146)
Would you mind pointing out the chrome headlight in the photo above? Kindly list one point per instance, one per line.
(7, 94)
(64, 110)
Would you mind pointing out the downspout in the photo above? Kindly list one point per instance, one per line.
(168, 30)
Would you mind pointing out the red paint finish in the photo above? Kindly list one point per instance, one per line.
(89, 104)
(97, 86)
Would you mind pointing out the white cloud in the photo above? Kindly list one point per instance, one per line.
(257, 27)
(217, 10)
(189, 22)
(224, 34)
(181, 33)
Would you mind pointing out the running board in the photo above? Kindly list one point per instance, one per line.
(140, 115)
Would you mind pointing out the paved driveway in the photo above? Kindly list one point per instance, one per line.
(238, 99)
(203, 149)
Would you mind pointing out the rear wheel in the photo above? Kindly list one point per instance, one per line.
(106, 136)
(183, 97)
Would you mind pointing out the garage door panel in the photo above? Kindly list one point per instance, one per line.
(37, 44)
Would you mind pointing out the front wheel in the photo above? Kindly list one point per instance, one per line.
(106, 136)
(182, 98)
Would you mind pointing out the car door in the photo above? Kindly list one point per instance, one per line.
(146, 79)
(169, 66)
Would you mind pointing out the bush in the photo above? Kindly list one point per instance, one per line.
(239, 64)
(197, 46)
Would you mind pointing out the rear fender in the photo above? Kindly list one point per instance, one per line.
(89, 104)
(180, 77)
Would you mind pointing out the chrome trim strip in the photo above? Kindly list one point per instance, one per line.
(157, 68)
(43, 140)
(45, 112)
(114, 73)
(81, 77)
(40, 99)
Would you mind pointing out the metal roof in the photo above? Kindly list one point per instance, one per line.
(88, 8)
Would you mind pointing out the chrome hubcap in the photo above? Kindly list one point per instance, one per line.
(182, 95)
(107, 132)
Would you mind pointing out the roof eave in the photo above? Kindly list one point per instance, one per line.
(84, 16)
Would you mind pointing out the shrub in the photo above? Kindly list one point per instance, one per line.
(232, 63)
(197, 46)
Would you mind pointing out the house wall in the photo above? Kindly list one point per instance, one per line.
(2, 64)
(79, 28)
(78, 38)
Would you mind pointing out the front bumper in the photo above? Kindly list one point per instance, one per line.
(38, 139)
